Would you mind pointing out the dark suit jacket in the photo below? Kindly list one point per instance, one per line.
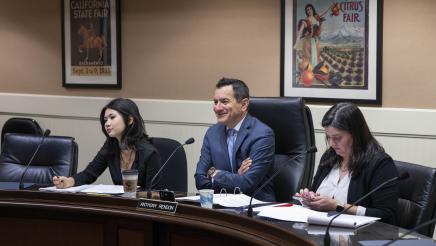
(147, 161)
(254, 140)
(383, 203)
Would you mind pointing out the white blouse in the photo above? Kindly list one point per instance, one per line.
(337, 188)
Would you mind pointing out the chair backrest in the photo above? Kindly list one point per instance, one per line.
(292, 124)
(59, 153)
(175, 173)
(417, 198)
(21, 125)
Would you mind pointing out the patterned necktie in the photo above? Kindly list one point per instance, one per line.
(231, 135)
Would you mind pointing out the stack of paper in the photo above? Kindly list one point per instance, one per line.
(100, 189)
(226, 200)
(298, 213)
(344, 220)
(294, 213)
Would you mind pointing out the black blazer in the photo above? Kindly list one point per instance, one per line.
(382, 203)
(147, 161)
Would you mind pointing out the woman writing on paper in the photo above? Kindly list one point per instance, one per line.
(353, 165)
(126, 147)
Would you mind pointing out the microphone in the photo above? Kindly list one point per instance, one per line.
(46, 133)
(414, 229)
(189, 141)
(403, 175)
(311, 149)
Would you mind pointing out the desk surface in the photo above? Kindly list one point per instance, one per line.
(75, 219)
(344, 236)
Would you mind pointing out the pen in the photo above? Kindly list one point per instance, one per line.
(298, 198)
(52, 172)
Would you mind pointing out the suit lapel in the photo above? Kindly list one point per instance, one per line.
(244, 131)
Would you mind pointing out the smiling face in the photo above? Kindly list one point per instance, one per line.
(114, 124)
(228, 110)
(340, 141)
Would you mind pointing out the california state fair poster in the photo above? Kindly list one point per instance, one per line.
(91, 55)
(331, 49)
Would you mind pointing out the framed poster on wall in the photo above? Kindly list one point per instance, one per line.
(331, 50)
(91, 55)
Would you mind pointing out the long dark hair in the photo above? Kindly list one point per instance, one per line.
(133, 134)
(313, 9)
(348, 117)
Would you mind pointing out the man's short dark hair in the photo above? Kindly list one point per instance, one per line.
(240, 89)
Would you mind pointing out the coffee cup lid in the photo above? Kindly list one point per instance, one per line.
(130, 172)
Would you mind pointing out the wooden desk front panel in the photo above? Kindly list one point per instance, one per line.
(38, 218)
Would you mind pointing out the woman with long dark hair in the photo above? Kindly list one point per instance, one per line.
(309, 33)
(126, 147)
(353, 165)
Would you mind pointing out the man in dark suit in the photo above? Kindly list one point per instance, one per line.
(238, 151)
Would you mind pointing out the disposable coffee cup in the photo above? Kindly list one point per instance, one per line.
(206, 198)
(130, 182)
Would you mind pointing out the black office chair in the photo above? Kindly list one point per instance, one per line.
(58, 153)
(21, 125)
(417, 198)
(291, 122)
(175, 174)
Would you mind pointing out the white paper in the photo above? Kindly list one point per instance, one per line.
(104, 189)
(344, 220)
(260, 208)
(295, 213)
(226, 200)
(100, 189)
(299, 213)
(72, 189)
(189, 198)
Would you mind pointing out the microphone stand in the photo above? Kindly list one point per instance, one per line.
(411, 231)
(327, 231)
(250, 206)
(189, 141)
(21, 184)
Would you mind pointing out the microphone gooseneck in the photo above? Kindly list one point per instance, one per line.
(311, 149)
(414, 229)
(21, 184)
(403, 175)
(187, 142)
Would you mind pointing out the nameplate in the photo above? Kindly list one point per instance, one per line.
(157, 205)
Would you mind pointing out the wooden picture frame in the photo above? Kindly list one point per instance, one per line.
(332, 51)
(91, 54)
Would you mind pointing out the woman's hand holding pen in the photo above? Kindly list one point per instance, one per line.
(62, 182)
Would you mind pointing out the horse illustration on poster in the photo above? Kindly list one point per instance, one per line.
(91, 41)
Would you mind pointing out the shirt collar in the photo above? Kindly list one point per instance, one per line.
(238, 126)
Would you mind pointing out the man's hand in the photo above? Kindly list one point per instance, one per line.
(245, 166)
(211, 172)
